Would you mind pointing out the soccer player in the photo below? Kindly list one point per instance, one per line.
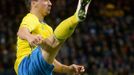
(38, 44)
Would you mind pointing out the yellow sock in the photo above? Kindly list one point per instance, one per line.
(66, 28)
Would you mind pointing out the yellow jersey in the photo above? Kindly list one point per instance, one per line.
(31, 22)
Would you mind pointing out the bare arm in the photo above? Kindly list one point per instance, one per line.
(71, 70)
(25, 34)
(60, 67)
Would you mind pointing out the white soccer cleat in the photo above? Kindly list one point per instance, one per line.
(82, 9)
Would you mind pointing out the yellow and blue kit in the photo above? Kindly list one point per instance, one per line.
(30, 61)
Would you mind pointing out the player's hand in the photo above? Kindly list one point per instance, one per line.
(76, 69)
(35, 40)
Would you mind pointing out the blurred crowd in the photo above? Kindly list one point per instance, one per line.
(103, 43)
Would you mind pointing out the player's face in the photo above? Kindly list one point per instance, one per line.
(44, 6)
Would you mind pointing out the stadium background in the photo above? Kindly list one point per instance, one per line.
(104, 42)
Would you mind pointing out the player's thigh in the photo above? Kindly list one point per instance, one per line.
(34, 64)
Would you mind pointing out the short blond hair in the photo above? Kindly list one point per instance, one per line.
(28, 4)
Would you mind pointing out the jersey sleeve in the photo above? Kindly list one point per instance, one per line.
(29, 22)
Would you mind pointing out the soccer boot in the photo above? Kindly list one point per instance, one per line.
(82, 9)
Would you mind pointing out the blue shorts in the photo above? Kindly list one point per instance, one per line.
(34, 64)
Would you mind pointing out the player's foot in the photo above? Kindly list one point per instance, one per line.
(82, 9)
